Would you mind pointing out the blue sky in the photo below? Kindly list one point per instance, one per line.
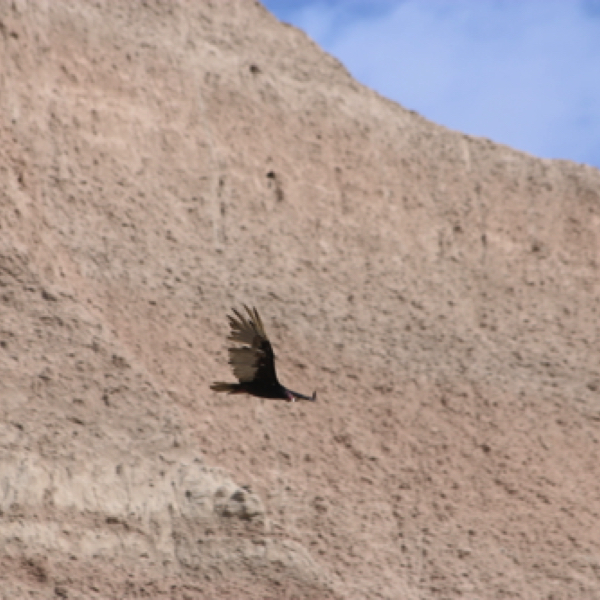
(525, 73)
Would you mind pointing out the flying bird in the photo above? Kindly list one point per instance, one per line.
(254, 362)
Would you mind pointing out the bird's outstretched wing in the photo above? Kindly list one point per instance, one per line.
(255, 360)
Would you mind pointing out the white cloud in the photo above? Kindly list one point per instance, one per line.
(526, 74)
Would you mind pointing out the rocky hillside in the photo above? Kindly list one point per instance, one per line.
(162, 162)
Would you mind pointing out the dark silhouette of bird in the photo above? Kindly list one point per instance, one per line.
(254, 362)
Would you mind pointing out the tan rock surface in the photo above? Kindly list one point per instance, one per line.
(161, 162)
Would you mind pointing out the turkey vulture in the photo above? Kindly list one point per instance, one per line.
(254, 363)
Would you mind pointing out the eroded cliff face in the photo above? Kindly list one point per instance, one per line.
(162, 162)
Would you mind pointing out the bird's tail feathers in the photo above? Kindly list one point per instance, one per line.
(220, 386)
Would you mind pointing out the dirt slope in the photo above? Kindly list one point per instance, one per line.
(162, 162)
